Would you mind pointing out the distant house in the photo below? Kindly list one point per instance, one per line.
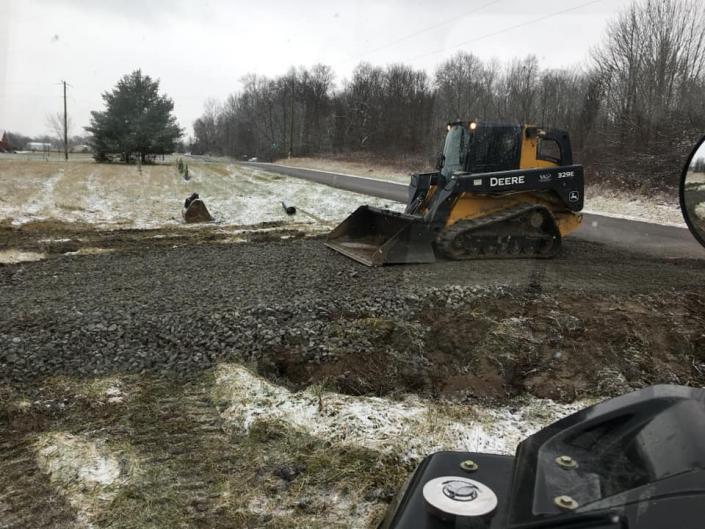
(5, 143)
(81, 148)
(37, 146)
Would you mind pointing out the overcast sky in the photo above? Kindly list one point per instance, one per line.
(201, 49)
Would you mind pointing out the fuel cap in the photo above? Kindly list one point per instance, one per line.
(452, 496)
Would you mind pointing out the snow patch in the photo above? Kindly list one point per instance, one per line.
(114, 394)
(107, 389)
(19, 256)
(86, 472)
(68, 458)
(628, 206)
(410, 428)
(695, 178)
(42, 204)
(700, 210)
(90, 250)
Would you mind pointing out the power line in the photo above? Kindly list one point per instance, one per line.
(424, 30)
(504, 30)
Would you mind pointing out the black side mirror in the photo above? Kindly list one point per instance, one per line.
(692, 192)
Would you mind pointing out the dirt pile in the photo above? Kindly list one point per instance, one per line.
(564, 345)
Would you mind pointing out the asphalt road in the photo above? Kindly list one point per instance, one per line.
(638, 236)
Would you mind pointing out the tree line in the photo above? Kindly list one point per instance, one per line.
(17, 141)
(632, 112)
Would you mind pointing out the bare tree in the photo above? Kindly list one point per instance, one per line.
(652, 66)
(55, 123)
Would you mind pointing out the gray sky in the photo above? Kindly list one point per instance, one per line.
(201, 49)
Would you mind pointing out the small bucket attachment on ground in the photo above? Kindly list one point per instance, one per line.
(376, 237)
(196, 211)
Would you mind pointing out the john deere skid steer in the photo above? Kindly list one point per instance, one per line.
(502, 190)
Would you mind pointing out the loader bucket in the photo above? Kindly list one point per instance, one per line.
(196, 212)
(376, 237)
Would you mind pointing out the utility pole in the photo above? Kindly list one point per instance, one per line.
(66, 127)
(291, 119)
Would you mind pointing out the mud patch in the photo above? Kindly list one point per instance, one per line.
(41, 239)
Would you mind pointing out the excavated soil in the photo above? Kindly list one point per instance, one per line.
(58, 238)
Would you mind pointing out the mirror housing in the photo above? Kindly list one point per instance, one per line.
(692, 192)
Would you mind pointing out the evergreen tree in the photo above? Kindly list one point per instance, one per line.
(137, 120)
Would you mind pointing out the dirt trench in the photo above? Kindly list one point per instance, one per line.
(562, 346)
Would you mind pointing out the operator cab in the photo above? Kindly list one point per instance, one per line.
(485, 147)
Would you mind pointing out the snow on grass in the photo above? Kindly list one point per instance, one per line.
(695, 178)
(109, 388)
(42, 202)
(19, 256)
(121, 196)
(98, 391)
(700, 210)
(394, 434)
(659, 209)
(410, 428)
(90, 250)
(256, 196)
(86, 472)
(114, 394)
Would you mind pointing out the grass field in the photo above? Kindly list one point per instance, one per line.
(121, 196)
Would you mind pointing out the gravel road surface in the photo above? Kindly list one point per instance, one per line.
(189, 305)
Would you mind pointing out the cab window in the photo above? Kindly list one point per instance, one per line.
(548, 150)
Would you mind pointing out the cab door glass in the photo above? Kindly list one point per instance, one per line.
(548, 150)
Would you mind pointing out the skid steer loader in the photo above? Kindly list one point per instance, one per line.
(501, 190)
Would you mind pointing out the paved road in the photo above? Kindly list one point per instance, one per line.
(654, 239)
